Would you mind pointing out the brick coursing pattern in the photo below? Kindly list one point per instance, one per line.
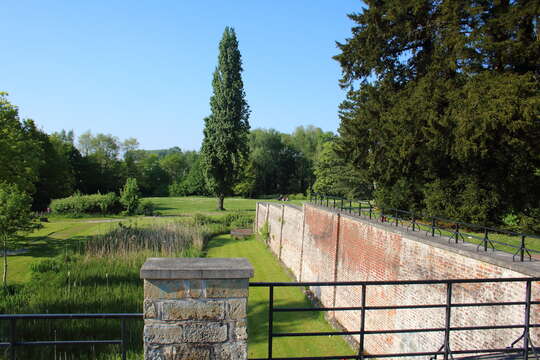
(317, 244)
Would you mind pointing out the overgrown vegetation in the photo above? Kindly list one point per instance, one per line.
(100, 275)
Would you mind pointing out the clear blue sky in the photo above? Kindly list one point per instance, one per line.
(143, 69)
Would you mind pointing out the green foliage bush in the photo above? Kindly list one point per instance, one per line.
(147, 208)
(530, 222)
(238, 220)
(233, 220)
(298, 196)
(78, 204)
(129, 196)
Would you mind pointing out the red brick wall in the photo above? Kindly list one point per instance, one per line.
(291, 248)
(321, 245)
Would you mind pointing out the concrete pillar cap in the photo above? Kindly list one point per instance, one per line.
(196, 268)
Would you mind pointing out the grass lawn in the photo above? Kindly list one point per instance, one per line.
(267, 268)
(206, 205)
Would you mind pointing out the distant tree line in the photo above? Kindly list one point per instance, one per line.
(443, 107)
(57, 165)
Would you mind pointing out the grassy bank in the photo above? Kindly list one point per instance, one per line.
(268, 268)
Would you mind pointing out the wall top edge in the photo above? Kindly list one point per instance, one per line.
(280, 204)
(499, 258)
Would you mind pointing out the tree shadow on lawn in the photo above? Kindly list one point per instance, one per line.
(46, 246)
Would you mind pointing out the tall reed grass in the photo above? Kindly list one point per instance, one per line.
(100, 275)
(173, 238)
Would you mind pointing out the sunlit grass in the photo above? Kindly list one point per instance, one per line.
(268, 268)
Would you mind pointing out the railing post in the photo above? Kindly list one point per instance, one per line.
(327, 201)
(12, 335)
(350, 206)
(397, 221)
(413, 222)
(370, 210)
(195, 308)
(123, 337)
(457, 233)
(522, 249)
(485, 239)
(270, 319)
(526, 333)
(362, 324)
(432, 226)
(447, 351)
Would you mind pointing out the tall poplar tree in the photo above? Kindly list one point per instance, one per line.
(224, 146)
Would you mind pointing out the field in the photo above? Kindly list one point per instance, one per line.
(91, 265)
(189, 205)
(62, 233)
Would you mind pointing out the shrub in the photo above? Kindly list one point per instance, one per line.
(238, 220)
(78, 204)
(129, 196)
(146, 207)
(298, 196)
(529, 221)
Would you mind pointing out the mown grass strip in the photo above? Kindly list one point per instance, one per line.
(268, 268)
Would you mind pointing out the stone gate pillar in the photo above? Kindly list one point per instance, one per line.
(195, 308)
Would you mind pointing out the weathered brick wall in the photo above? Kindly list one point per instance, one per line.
(291, 248)
(274, 219)
(322, 245)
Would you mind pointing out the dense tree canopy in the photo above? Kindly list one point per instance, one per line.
(443, 105)
(19, 152)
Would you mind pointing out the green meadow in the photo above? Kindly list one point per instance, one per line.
(91, 265)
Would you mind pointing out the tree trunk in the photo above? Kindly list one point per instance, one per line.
(220, 202)
(4, 278)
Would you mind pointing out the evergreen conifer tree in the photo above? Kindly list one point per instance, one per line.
(226, 129)
(443, 104)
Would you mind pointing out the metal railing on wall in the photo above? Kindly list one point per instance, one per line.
(526, 350)
(14, 342)
(485, 238)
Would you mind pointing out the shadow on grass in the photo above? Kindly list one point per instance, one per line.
(46, 246)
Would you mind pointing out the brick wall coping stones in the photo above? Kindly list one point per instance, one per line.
(196, 268)
(499, 258)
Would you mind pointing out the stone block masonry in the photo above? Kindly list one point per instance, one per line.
(195, 309)
(322, 244)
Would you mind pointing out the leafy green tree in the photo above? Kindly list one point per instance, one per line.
(15, 217)
(226, 129)
(20, 155)
(193, 184)
(442, 105)
(175, 165)
(56, 175)
(129, 196)
(337, 177)
(103, 168)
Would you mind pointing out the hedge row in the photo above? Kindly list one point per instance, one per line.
(88, 204)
